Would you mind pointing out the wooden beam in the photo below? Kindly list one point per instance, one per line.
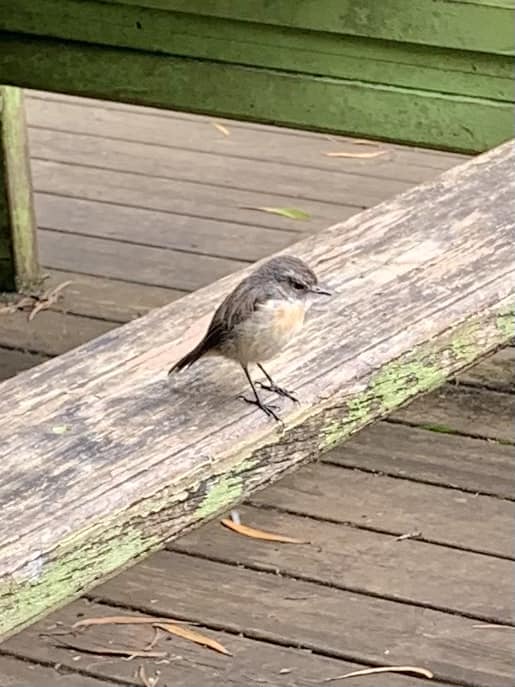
(19, 267)
(438, 75)
(105, 458)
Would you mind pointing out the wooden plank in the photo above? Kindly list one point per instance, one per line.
(425, 157)
(474, 465)
(50, 332)
(237, 91)
(107, 398)
(19, 268)
(13, 362)
(107, 299)
(139, 226)
(262, 176)
(133, 262)
(497, 372)
(20, 673)
(472, 74)
(252, 662)
(475, 412)
(443, 23)
(397, 507)
(190, 199)
(310, 615)
(364, 562)
(200, 135)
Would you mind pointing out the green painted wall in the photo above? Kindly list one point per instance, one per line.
(435, 73)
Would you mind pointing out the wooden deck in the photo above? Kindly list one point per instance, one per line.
(410, 524)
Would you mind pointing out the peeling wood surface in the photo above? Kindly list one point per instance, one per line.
(430, 266)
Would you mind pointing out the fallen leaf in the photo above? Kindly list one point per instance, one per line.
(387, 669)
(123, 620)
(221, 128)
(147, 680)
(492, 626)
(193, 636)
(260, 534)
(290, 213)
(360, 156)
(154, 640)
(48, 299)
(101, 651)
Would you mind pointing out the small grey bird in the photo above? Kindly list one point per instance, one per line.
(258, 319)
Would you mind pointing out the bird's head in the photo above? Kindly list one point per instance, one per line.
(295, 279)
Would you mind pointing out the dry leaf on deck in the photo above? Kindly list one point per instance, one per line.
(290, 213)
(260, 534)
(48, 299)
(221, 128)
(122, 620)
(101, 651)
(147, 680)
(193, 636)
(360, 156)
(387, 669)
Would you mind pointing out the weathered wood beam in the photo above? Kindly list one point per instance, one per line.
(431, 76)
(19, 268)
(104, 458)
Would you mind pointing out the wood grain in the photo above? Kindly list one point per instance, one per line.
(20, 673)
(263, 176)
(199, 136)
(349, 558)
(13, 362)
(133, 262)
(107, 299)
(193, 235)
(253, 662)
(352, 626)
(423, 157)
(440, 458)
(351, 106)
(475, 412)
(19, 267)
(422, 291)
(397, 507)
(496, 372)
(194, 200)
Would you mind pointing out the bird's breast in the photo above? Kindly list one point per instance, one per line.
(268, 330)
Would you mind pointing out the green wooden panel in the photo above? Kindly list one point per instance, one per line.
(18, 250)
(320, 53)
(463, 25)
(7, 272)
(352, 107)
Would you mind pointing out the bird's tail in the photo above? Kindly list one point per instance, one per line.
(189, 358)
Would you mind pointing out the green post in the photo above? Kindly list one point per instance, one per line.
(19, 269)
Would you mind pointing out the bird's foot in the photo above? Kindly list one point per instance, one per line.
(267, 408)
(278, 390)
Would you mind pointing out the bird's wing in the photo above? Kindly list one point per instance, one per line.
(236, 308)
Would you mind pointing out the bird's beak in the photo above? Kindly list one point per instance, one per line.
(320, 290)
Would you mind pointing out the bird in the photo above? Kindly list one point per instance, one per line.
(255, 322)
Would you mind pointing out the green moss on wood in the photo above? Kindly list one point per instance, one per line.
(422, 370)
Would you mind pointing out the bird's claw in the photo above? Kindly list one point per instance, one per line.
(267, 408)
(278, 390)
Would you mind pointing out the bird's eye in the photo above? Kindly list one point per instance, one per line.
(297, 285)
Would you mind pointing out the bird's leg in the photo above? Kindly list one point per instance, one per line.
(267, 409)
(272, 386)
